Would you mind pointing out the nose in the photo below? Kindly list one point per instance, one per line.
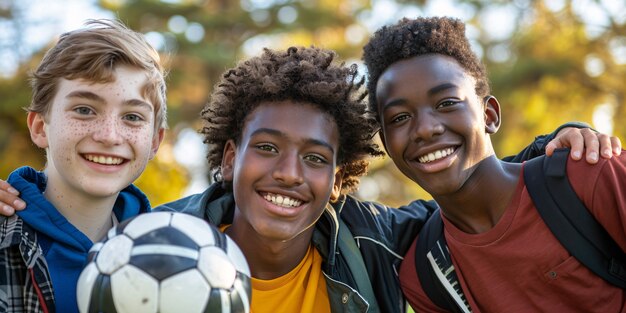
(108, 133)
(426, 126)
(288, 169)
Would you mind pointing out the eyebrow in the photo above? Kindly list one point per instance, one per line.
(440, 88)
(432, 91)
(94, 97)
(310, 141)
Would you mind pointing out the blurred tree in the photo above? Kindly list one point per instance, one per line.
(560, 68)
(557, 62)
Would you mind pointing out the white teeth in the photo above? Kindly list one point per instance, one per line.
(283, 201)
(104, 160)
(435, 155)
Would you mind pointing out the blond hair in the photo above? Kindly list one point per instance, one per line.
(93, 53)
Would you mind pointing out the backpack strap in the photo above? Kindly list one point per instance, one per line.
(435, 269)
(353, 257)
(570, 221)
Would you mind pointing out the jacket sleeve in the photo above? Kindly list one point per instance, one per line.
(538, 147)
(396, 228)
(405, 233)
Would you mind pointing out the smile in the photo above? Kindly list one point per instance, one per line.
(436, 155)
(106, 160)
(281, 200)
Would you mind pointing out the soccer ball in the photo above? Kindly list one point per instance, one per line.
(165, 262)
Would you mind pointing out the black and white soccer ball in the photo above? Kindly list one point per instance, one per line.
(165, 262)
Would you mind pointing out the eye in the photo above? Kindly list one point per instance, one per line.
(315, 159)
(133, 117)
(84, 111)
(399, 118)
(446, 103)
(266, 147)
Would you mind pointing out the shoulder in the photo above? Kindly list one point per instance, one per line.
(11, 230)
(211, 204)
(191, 204)
(27, 180)
(417, 209)
(363, 214)
(586, 178)
(600, 187)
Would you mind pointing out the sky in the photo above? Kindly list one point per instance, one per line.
(42, 21)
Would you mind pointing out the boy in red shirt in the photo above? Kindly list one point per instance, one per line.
(437, 115)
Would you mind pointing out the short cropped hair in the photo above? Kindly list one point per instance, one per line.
(304, 75)
(93, 53)
(414, 37)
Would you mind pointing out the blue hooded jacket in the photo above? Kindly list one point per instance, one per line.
(64, 246)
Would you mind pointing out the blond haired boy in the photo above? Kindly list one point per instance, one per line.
(98, 109)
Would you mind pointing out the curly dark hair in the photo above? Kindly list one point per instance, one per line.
(307, 75)
(414, 37)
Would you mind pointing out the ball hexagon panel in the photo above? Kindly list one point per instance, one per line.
(195, 228)
(217, 267)
(114, 254)
(175, 296)
(139, 290)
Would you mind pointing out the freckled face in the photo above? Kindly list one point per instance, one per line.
(99, 136)
(283, 169)
(433, 123)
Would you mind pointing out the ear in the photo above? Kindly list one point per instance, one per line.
(37, 127)
(492, 115)
(228, 161)
(336, 192)
(156, 142)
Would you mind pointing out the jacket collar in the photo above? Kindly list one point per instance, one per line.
(15, 232)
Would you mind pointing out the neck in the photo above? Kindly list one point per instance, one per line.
(91, 215)
(269, 258)
(482, 200)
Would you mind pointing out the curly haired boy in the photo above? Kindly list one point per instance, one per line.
(433, 101)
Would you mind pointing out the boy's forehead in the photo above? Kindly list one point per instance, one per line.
(127, 84)
(291, 118)
(295, 108)
(423, 71)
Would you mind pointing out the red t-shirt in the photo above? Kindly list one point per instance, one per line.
(519, 266)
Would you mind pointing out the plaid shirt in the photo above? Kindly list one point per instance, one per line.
(25, 284)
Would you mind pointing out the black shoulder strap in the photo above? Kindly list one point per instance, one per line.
(570, 221)
(435, 269)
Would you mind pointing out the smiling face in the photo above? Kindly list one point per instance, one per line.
(98, 136)
(434, 126)
(283, 169)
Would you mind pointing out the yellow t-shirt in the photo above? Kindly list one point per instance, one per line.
(301, 290)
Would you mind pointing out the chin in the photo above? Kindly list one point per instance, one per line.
(104, 190)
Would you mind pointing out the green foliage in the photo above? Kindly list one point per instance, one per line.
(542, 84)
